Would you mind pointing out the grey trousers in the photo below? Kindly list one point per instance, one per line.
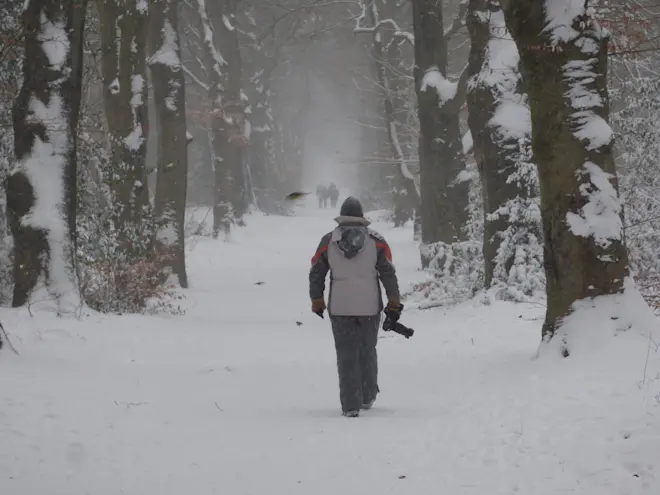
(357, 361)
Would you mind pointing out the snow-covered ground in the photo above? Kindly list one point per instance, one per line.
(239, 396)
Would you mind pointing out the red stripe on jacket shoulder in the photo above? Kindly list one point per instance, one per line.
(386, 247)
(318, 254)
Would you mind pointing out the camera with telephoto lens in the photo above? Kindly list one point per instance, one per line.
(391, 324)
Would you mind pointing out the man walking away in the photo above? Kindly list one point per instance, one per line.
(357, 259)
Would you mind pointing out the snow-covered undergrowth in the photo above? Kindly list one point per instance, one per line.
(518, 273)
(240, 394)
(111, 279)
(635, 124)
(456, 273)
(456, 270)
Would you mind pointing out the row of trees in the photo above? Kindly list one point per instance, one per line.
(42, 188)
(536, 151)
(491, 128)
(96, 194)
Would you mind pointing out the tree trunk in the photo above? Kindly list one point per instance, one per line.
(213, 63)
(397, 48)
(232, 122)
(124, 35)
(388, 95)
(216, 27)
(170, 100)
(406, 191)
(373, 142)
(500, 125)
(261, 61)
(564, 60)
(41, 191)
(444, 197)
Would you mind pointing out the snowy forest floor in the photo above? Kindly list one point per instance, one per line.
(236, 397)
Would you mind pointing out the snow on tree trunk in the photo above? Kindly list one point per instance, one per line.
(564, 58)
(169, 96)
(500, 125)
(123, 35)
(444, 195)
(41, 189)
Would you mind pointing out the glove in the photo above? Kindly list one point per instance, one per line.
(318, 306)
(393, 309)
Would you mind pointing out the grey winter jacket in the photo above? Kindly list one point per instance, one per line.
(357, 258)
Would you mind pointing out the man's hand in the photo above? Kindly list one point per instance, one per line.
(393, 309)
(318, 306)
(394, 301)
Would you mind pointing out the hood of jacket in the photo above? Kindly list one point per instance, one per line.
(352, 221)
(353, 233)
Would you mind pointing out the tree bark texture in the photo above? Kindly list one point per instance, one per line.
(494, 84)
(170, 101)
(565, 71)
(444, 199)
(232, 121)
(124, 36)
(45, 118)
(261, 60)
(222, 63)
(213, 62)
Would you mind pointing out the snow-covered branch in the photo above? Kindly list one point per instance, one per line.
(196, 79)
(403, 166)
(370, 10)
(459, 20)
(361, 24)
(451, 95)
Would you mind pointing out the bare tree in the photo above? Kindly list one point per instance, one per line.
(169, 96)
(564, 57)
(41, 191)
(385, 33)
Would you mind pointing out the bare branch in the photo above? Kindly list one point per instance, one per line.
(192, 76)
(459, 20)
(11, 346)
(461, 90)
(378, 24)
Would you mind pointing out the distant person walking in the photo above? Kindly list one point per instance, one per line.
(322, 194)
(333, 192)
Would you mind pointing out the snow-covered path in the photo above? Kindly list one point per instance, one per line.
(239, 396)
